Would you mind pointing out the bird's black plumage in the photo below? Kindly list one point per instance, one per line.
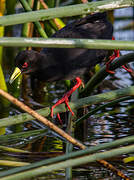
(53, 64)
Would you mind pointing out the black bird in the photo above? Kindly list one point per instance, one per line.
(53, 64)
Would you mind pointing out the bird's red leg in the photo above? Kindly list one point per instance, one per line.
(127, 69)
(112, 57)
(65, 99)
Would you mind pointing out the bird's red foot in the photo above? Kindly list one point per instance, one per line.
(65, 99)
(111, 58)
(127, 69)
(116, 54)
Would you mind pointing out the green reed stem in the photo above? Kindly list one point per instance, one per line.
(67, 11)
(90, 150)
(38, 25)
(83, 102)
(70, 163)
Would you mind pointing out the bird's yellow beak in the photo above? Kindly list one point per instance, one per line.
(15, 74)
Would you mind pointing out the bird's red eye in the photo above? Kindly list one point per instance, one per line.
(25, 65)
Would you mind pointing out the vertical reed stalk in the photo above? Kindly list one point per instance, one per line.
(2, 79)
(3, 86)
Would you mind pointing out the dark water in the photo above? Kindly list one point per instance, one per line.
(105, 126)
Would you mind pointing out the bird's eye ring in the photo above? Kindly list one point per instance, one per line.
(25, 65)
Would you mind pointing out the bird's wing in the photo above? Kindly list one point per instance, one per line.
(93, 26)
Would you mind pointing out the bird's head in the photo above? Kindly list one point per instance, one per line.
(26, 62)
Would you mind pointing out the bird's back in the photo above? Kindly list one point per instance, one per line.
(69, 63)
(94, 26)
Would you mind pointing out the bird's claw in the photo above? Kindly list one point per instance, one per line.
(58, 115)
(112, 57)
(127, 69)
(65, 99)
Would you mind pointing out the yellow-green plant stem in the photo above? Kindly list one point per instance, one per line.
(3, 86)
(9, 149)
(38, 25)
(12, 163)
(2, 79)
